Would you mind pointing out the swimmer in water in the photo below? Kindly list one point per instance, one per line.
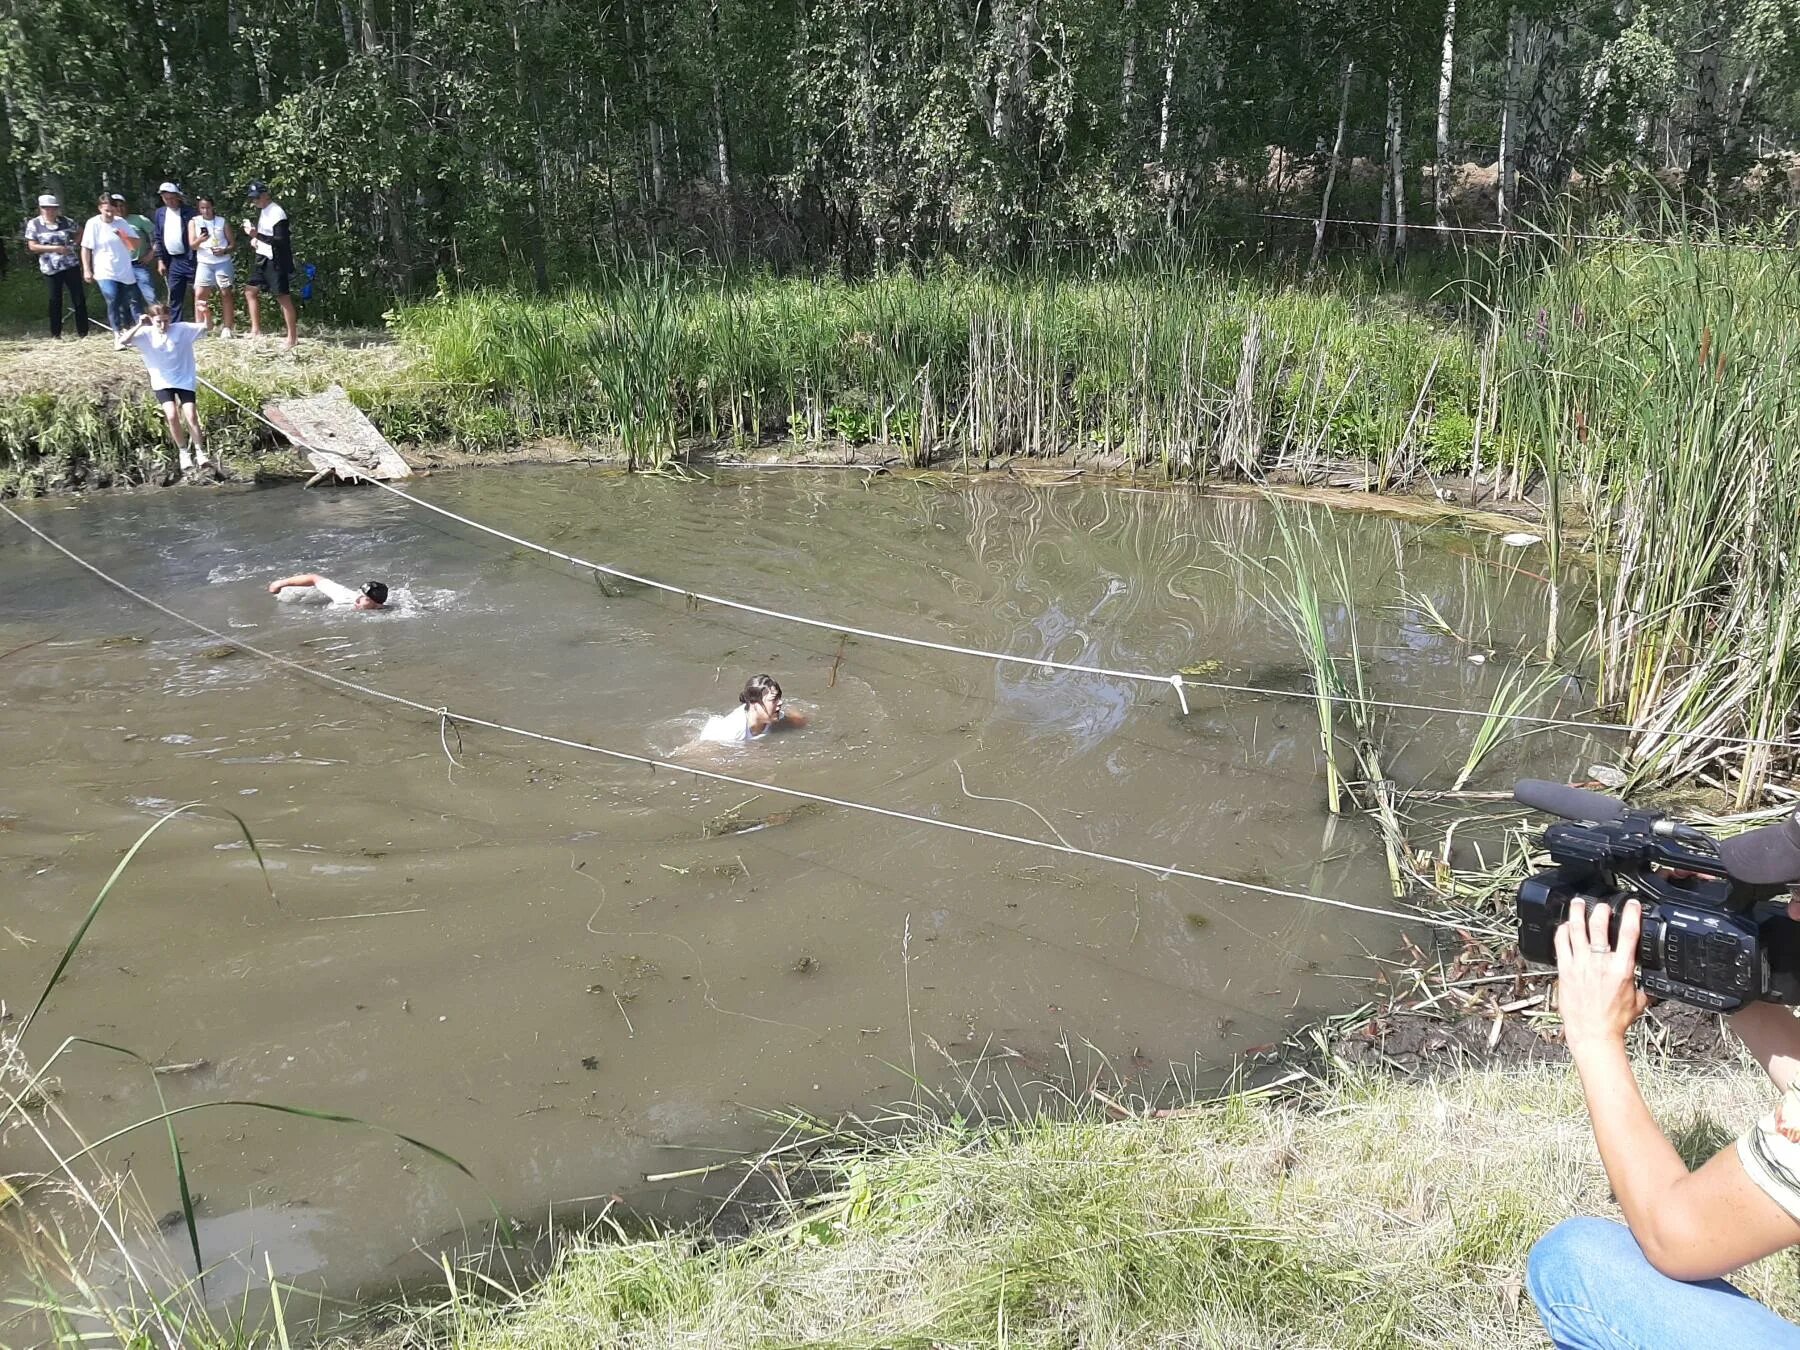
(759, 712)
(319, 590)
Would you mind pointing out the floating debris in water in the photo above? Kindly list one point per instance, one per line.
(1520, 539)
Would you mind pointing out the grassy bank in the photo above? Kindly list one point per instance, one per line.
(1369, 1210)
(1360, 1209)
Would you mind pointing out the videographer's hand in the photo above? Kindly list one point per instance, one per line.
(1596, 987)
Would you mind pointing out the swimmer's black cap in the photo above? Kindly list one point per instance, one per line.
(376, 591)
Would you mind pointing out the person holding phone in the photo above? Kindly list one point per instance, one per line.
(107, 247)
(210, 236)
(271, 239)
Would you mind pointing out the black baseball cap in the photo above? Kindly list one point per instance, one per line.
(118, 197)
(255, 190)
(376, 591)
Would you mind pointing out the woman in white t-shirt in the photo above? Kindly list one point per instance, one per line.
(108, 246)
(168, 351)
(758, 712)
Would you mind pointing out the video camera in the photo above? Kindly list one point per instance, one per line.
(1716, 933)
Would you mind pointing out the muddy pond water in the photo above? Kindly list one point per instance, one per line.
(571, 973)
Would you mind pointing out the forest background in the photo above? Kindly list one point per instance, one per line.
(431, 144)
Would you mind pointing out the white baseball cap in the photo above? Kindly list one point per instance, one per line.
(172, 187)
(48, 200)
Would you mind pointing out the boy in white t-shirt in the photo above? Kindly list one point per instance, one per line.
(108, 246)
(311, 588)
(168, 351)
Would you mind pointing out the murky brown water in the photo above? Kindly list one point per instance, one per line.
(559, 969)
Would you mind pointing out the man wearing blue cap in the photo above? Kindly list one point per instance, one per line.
(174, 255)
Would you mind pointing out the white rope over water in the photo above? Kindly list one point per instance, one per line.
(448, 719)
(1180, 683)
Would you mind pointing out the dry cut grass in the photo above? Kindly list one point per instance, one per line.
(1374, 1211)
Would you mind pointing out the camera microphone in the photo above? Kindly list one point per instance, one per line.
(1571, 803)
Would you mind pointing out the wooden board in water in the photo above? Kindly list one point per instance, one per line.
(336, 438)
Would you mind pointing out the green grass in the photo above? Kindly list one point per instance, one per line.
(1191, 370)
(1371, 1210)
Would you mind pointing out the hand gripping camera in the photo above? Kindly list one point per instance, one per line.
(1716, 933)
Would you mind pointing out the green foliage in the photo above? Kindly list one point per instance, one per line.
(494, 142)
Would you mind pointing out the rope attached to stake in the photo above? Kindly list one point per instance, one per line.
(449, 718)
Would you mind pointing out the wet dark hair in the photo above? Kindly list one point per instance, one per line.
(376, 591)
(758, 688)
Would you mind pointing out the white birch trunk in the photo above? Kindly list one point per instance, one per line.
(1440, 180)
(1396, 171)
(721, 127)
(1331, 172)
(1509, 119)
(1128, 66)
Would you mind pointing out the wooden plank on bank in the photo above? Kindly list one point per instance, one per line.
(336, 438)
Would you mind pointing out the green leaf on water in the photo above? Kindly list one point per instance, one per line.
(113, 880)
(304, 1113)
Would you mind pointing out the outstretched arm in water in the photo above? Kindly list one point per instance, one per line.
(298, 579)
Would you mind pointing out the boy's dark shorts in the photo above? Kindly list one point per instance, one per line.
(272, 278)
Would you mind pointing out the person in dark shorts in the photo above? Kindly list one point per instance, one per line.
(274, 271)
(55, 243)
(168, 351)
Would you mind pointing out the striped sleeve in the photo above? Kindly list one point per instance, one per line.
(1770, 1152)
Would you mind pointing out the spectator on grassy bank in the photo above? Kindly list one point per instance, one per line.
(144, 254)
(210, 235)
(174, 255)
(168, 351)
(1658, 1279)
(272, 241)
(52, 239)
(107, 244)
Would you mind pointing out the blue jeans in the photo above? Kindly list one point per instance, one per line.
(121, 303)
(1595, 1290)
(146, 283)
(180, 279)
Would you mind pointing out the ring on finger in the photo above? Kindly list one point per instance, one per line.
(1599, 950)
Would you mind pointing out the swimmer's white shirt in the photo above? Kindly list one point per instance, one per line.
(324, 591)
(731, 729)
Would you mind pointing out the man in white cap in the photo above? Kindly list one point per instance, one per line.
(174, 256)
(53, 240)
